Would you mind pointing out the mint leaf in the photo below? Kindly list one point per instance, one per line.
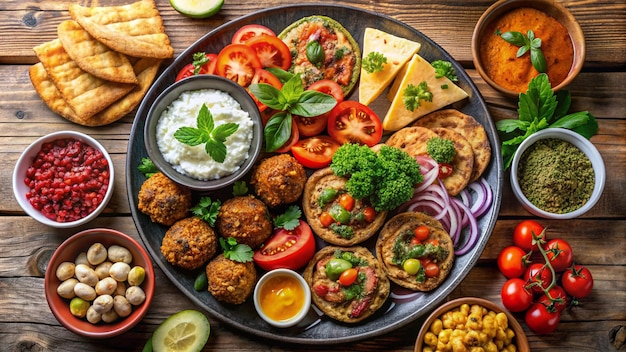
(216, 150)
(221, 132)
(205, 119)
(190, 136)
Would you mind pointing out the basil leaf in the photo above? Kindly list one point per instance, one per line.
(510, 125)
(582, 122)
(515, 38)
(267, 94)
(522, 50)
(216, 149)
(538, 60)
(292, 89)
(282, 75)
(277, 131)
(564, 100)
(313, 103)
(315, 52)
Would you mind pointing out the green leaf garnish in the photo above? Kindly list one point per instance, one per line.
(413, 94)
(147, 167)
(240, 188)
(199, 59)
(527, 43)
(374, 62)
(236, 252)
(207, 210)
(208, 133)
(289, 220)
(444, 69)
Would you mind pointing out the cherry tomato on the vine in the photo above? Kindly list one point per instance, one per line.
(560, 254)
(540, 320)
(523, 234)
(512, 261)
(515, 297)
(577, 281)
(538, 277)
(557, 301)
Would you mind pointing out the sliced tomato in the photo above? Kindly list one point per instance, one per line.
(312, 126)
(271, 51)
(264, 76)
(315, 152)
(329, 87)
(189, 69)
(290, 249)
(238, 63)
(353, 122)
(249, 31)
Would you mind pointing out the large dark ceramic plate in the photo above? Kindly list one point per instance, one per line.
(318, 329)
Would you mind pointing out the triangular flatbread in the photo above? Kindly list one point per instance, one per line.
(93, 56)
(135, 29)
(85, 93)
(398, 51)
(444, 91)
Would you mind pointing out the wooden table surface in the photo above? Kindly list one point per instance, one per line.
(598, 238)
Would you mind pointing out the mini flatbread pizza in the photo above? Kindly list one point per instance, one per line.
(347, 303)
(322, 194)
(399, 242)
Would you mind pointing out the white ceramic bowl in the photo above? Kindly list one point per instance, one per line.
(305, 289)
(195, 83)
(585, 146)
(25, 161)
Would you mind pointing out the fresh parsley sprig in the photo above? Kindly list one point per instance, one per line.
(206, 132)
(236, 252)
(207, 210)
(527, 43)
(147, 167)
(199, 59)
(291, 99)
(541, 108)
(444, 69)
(289, 220)
(374, 62)
(413, 94)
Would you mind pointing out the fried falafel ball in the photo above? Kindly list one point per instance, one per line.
(279, 180)
(230, 281)
(189, 243)
(246, 219)
(164, 200)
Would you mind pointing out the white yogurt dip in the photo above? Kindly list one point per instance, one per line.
(194, 161)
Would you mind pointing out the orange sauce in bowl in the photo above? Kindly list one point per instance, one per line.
(514, 73)
(281, 297)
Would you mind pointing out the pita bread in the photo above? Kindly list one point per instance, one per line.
(398, 226)
(462, 163)
(135, 29)
(145, 69)
(444, 91)
(471, 129)
(85, 93)
(93, 56)
(411, 139)
(398, 51)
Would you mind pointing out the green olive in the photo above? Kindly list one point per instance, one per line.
(326, 196)
(78, 307)
(411, 266)
(339, 214)
(136, 275)
(335, 267)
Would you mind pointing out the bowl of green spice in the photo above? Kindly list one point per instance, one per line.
(557, 174)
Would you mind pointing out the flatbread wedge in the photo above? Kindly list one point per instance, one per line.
(94, 57)
(466, 125)
(394, 243)
(398, 51)
(145, 69)
(135, 29)
(85, 93)
(444, 92)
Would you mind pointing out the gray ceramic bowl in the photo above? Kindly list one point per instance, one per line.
(585, 146)
(195, 83)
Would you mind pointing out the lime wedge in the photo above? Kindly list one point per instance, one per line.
(197, 8)
(185, 331)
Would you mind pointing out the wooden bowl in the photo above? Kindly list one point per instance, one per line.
(551, 8)
(520, 338)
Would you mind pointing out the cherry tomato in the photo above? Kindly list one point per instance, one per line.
(369, 213)
(264, 76)
(190, 69)
(291, 249)
(445, 170)
(422, 232)
(238, 63)
(540, 320)
(523, 234)
(557, 301)
(431, 269)
(312, 126)
(346, 201)
(411, 266)
(271, 51)
(560, 254)
(315, 152)
(326, 219)
(538, 277)
(514, 295)
(353, 122)
(512, 262)
(577, 281)
(348, 277)
(249, 31)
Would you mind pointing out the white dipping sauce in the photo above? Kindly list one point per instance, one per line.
(195, 161)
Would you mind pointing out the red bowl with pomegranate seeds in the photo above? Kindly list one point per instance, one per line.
(64, 179)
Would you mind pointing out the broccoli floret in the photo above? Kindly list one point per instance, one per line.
(387, 178)
(441, 149)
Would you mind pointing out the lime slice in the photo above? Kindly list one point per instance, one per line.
(197, 8)
(185, 331)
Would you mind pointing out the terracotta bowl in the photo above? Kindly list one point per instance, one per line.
(520, 339)
(26, 160)
(67, 251)
(195, 83)
(550, 7)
